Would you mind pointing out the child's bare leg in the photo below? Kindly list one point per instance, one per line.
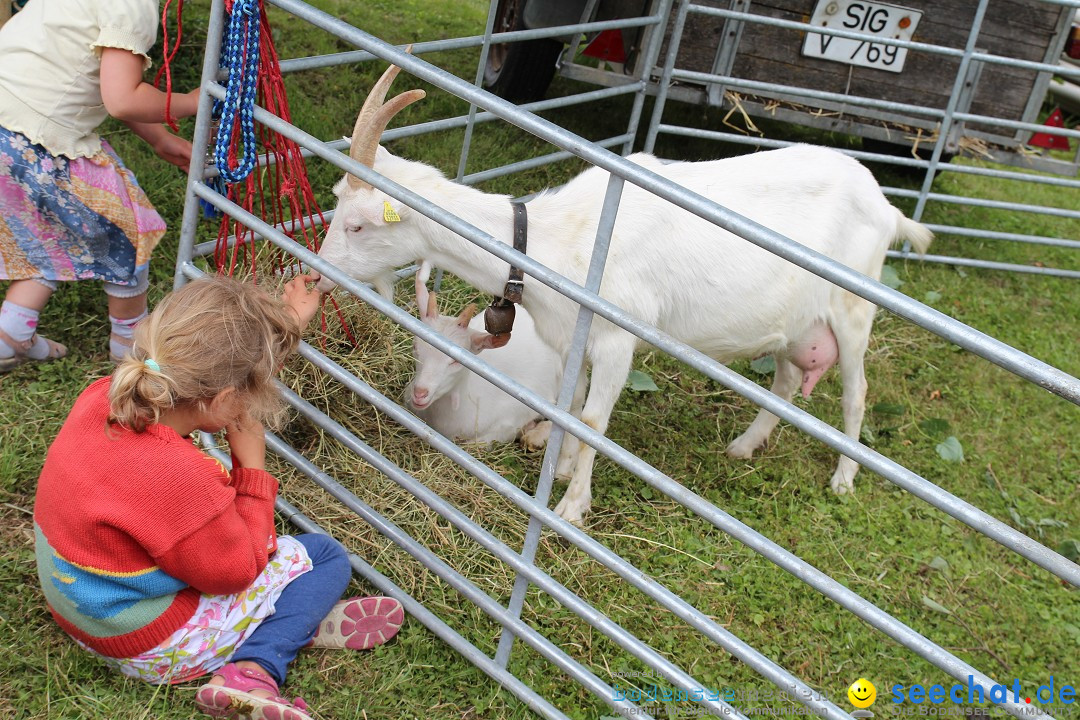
(31, 294)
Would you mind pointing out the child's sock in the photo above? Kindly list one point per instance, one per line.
(20, 323)
(123, 331)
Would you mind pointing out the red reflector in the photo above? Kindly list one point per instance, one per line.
(1046, 140)
(608, 46)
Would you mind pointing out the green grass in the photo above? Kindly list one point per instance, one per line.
(1001, 613)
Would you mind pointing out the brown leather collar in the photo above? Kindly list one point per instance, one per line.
(499, 316)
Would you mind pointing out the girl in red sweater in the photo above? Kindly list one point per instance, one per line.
(154, 556)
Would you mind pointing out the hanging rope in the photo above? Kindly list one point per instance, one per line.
(241, 59)
(282, 181)
(168, 56)
(249, 57)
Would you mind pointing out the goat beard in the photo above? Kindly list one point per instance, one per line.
(384, 285)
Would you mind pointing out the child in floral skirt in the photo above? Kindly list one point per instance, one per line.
(69, 208)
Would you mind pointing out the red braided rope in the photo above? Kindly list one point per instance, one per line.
(168, 57)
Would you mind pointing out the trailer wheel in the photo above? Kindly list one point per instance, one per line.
(520, 72)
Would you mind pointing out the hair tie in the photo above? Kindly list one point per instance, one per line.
(152, 364)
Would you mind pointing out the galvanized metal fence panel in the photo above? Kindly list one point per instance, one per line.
(945, 122)
(522, 560)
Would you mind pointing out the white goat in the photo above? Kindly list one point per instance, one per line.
(703, 285)
(464, 406)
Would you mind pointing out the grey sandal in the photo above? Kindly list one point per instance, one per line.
(56, 351)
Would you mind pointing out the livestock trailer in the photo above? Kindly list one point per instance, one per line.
(761, 60)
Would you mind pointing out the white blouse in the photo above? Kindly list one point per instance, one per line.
(50, 67)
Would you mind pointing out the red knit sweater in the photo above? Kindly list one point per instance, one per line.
(133, 527)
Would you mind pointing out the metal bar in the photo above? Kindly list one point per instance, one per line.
(985, 264)
(575, 361)
(414, 608)
(536, 162)
(307, 221)
(665, 75)
(1050, 378)
(485, 48)
(189, 223)
(460, 121)
(912, 162)
(723, 521)
(586, 13)
(1030, 368)
(580, 539)
(765, 87)
(995, 235)
(991, 204)
(646, 65)
(623, 638)
(356, 56)
(950, 108)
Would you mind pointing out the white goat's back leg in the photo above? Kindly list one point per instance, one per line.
(612, 354)
(571, 445)
(785, 381)
(852, 338)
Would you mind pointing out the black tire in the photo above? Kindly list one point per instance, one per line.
(519, 72)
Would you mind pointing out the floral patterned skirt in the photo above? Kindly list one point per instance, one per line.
(220, 624)
(80, 219)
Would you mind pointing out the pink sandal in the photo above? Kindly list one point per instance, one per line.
(360, 624)
(234, 699)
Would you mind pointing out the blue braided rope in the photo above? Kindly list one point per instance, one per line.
(241, 59)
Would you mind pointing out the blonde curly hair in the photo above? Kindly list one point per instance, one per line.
(211, 334)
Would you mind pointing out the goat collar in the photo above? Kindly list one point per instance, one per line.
(499, 317)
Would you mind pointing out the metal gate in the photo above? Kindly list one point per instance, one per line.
(966, 120)
(521, 559)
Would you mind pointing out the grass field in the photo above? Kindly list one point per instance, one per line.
(984, 604)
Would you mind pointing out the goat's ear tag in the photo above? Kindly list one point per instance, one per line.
(388, 214)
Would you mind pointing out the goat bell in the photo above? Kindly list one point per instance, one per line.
(499, 317)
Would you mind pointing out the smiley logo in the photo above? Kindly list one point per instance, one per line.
(862, 693)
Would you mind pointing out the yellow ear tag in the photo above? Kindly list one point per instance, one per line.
(388, 213)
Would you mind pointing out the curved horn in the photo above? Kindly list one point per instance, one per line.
(466, 315)
(373, 119)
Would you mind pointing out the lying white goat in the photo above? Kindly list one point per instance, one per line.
(703, 285)
(464, 406)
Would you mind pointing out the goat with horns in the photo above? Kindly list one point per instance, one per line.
(668, 267)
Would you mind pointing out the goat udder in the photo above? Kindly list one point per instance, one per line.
(814, 353)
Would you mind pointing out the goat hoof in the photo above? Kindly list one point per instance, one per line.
(843, 485)
(571, 512)
(741, 448)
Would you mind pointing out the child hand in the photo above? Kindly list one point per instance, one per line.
(173, 149)
(246, 442)
(304, 302)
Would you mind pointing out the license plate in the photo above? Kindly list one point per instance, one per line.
(871, 18)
